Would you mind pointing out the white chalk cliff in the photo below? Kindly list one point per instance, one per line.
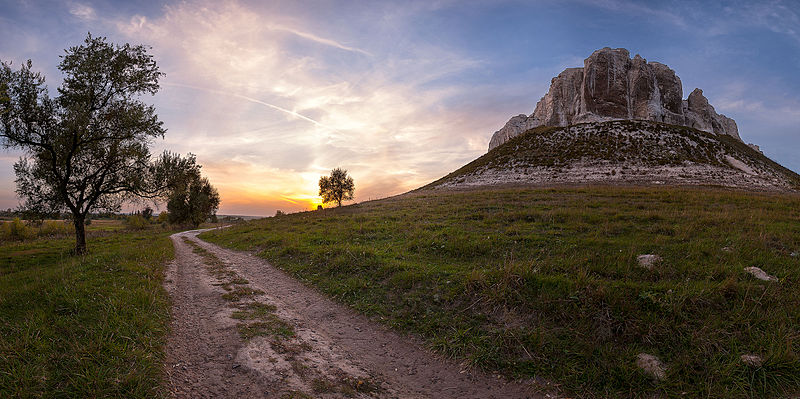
(613, 86)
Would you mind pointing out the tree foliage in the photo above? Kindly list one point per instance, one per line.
(193, 202)
(337, 187)
(86, 149)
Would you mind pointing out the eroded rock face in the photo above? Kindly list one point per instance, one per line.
(513, 127)
(612, 86)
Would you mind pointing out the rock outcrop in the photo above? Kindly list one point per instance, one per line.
(612, 86)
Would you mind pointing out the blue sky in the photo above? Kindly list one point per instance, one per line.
(271, 95)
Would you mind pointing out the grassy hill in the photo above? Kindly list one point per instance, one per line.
(623, 152)
(545, 282)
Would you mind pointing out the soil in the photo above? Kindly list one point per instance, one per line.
(331, 351)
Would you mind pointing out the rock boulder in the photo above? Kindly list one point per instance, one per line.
(612, 86)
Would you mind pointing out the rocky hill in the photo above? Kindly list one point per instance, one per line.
(612, 86)
(623, 152)
(621, 120)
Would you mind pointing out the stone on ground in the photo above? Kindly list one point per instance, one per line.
(760, 274)
(648, 261)
(652, 366)
(752, 360)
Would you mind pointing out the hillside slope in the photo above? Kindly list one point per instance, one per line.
(545, 283)
(623, 152)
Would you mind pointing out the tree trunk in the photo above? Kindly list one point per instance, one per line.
(80, 234)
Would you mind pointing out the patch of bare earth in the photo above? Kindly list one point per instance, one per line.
(244, 329)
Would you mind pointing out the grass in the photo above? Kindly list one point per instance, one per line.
(256, 319)
(89, 326)
(544, 282)
(264, 321)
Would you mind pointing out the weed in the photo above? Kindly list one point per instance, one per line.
(239, 293)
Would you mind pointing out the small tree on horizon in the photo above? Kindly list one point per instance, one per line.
(337, 187)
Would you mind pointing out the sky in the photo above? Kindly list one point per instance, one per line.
(271, 95)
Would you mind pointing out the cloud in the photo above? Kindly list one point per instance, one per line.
(637, 8)
(317, 39)
(753, 101)
(83, 11)
(268, 106)
(775, 16)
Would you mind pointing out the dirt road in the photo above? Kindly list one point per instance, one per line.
(243, 329)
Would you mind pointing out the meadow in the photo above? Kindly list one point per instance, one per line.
(84, 326)
(545, 282)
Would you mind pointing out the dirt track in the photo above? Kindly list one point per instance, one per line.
(333, 352)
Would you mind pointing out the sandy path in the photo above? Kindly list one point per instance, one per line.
(332, 353)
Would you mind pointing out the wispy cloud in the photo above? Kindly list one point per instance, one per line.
(253, 100)
(282, 113)
(82, 11)
(777, 16)
(638, 8)
(317, 39)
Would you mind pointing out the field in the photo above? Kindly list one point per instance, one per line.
(91, 326)
(545, 282)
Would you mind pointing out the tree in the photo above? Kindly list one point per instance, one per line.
(194, 201)
(337, 187)
(85, 149)
(147, 213)
(189, 196)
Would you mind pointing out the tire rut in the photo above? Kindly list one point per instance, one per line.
(242, 328)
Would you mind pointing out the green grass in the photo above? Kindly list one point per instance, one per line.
(81, 327)
(263, 322)
(544, 282)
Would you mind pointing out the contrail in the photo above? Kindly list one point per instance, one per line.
(315, 38)
(254, 100)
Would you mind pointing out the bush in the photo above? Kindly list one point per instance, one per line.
(163, 217)
(136, 222)
(17, 230)
(51, 228)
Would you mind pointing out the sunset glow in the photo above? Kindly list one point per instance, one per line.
(272, 96)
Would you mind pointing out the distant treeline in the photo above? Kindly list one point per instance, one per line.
(12, 213)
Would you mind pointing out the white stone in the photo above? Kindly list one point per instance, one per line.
(652, 366)
(760, 274)
(752, 360)
(739, 165)
(648, 261)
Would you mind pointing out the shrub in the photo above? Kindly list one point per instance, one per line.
(136, 222)
(163, 217)
(51, 228)
(17, 230)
